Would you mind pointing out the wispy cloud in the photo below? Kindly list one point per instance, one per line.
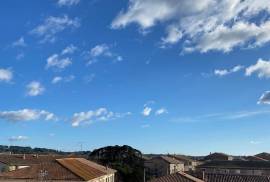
(224, 72)
(220, 116)
(69, 49)
(67, 2)
(145, 126)
(149, 108)
(55, 61)
(59, 79)
(35, 88)
(89, 78)
(265, 98)
(26, 115)
(146, 111)
(6, 75)
(161, 111)
(18, 138)
(52, 26)
(19, 43)
(20, 56)
(262, 68)
(101, 114)
(253, 142)
(101, 51)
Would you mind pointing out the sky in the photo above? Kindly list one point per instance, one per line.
(163, 76)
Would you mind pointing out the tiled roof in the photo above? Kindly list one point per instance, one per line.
(264, 155)
(236, 164)
(235, 178)
(44, 171)
(27, 159)
(68, 169)
(255, 158)
(177, 177)
(86, 169)
(170, 160)
(182, 158)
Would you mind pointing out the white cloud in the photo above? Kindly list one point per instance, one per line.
(101, 114)
(149, 109)
(56, 62)
(146, 111)
(173, 35)
(262, 68)
(161, 111)
(69, 49)
(19, 43)
(26, 115)
(18, 138)
(54, 25)
(265, 98)
(67, 2)
(205, 25)
(238, 115)
(99, 51)
(35, 88)
(59, 79)
(224, 38)
(225, 72)
(6, 75)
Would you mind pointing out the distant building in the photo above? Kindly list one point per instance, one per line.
(10, 162)
(177, 177)
(234, 178)
(189, 164)
(64, 170)
(162, 165)
(236, 167)
(254, 158)
(264, 155)
(218, 157)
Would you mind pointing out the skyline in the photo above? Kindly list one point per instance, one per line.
(161, 76)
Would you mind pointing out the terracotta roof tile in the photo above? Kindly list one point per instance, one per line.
(68, 169)
(235, 178)
(84, 168)
(44, 171)
(177, 177)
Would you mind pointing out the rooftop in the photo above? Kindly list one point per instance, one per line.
(72, 169)
(177, 177)
(237, 164)
(170, 160)
(235, 178)
(182, 158)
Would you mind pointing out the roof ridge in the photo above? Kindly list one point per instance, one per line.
(190, 177)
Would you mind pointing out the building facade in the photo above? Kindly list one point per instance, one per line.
(162, 165)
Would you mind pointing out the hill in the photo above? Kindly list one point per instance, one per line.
(29, 150)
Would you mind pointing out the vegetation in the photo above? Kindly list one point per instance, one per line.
(126, 160)
(29, 150)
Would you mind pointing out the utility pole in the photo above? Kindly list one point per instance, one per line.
(144, 174)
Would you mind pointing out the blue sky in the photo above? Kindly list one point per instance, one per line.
(169, 76)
